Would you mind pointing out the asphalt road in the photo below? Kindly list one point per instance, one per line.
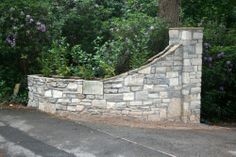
(28, 133)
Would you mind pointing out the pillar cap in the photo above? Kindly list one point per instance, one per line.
(186, 28)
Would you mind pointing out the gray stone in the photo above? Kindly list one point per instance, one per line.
(186, 35)
(93, 87)
(141, 95)
(128, 96)
(113, 97)
(48, 93)
(136, 79)
(72, 86)
(99, 103)
(57, 94)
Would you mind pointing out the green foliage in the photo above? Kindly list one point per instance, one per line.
(218, 80)
(55, 61)
(219, 83)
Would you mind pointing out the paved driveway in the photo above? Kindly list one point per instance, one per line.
(28, 133)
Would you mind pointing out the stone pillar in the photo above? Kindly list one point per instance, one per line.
(191, 39)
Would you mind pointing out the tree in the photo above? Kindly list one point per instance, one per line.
(170, 11)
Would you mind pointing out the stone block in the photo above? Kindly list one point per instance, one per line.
(136, 88)
(64, 101)
(99, 103)
(174, 81)
(163, 113)
(163, 95)
(161, 69)
(110, 90)
(111, 105)
(75, 100)
(148, 87)
(187, 62)
(199, 48)
(146, 70)
(72, 86)
(113, 97)
(172, 74)
(196, 61)
(128, 96)
(197, 35)
(195, 90)
(153, 95)
(71, 108)
(80, 89)
(134, 80)
(135, 103)
(186, 78)
(48, 94)
(141, 95)
(80, 108)
(174, 34)
(93, 87)
(57, 94)
(174, 108)
(186, 35)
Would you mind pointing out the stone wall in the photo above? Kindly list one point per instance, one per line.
(167, 88)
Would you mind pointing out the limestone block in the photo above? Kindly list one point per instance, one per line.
(196, 90)
(163, 95)
(63, 101)
(93, 87)
(199, 48)
(57, 94)
(148, 87)
(136, 88)
(197, 35)
(80, 108)
(187, 62)
(196, 61)
(110, 105)
(113, 97)
(75, 100)
(72, 108)
(72, 86)
(128, 96)
(135, 79)
(174, 81)
(153, 95)
(141, 95)
(173, 34)
(48, 94)
(163, 114)
(136, 103)
(174, 108)
(99, 103)
(186, 78)
(80, 89)
(172, 74)
(186, 35)
(146, 70)
(110, 90)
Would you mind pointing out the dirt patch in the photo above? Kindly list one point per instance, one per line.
(136, 123)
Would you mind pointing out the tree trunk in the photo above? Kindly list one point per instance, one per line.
(170, 11)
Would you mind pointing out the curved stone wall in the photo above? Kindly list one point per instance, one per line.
(167, 88)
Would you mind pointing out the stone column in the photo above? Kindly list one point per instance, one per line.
(191, 39)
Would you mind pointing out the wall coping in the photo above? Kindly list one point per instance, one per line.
(186, 28)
